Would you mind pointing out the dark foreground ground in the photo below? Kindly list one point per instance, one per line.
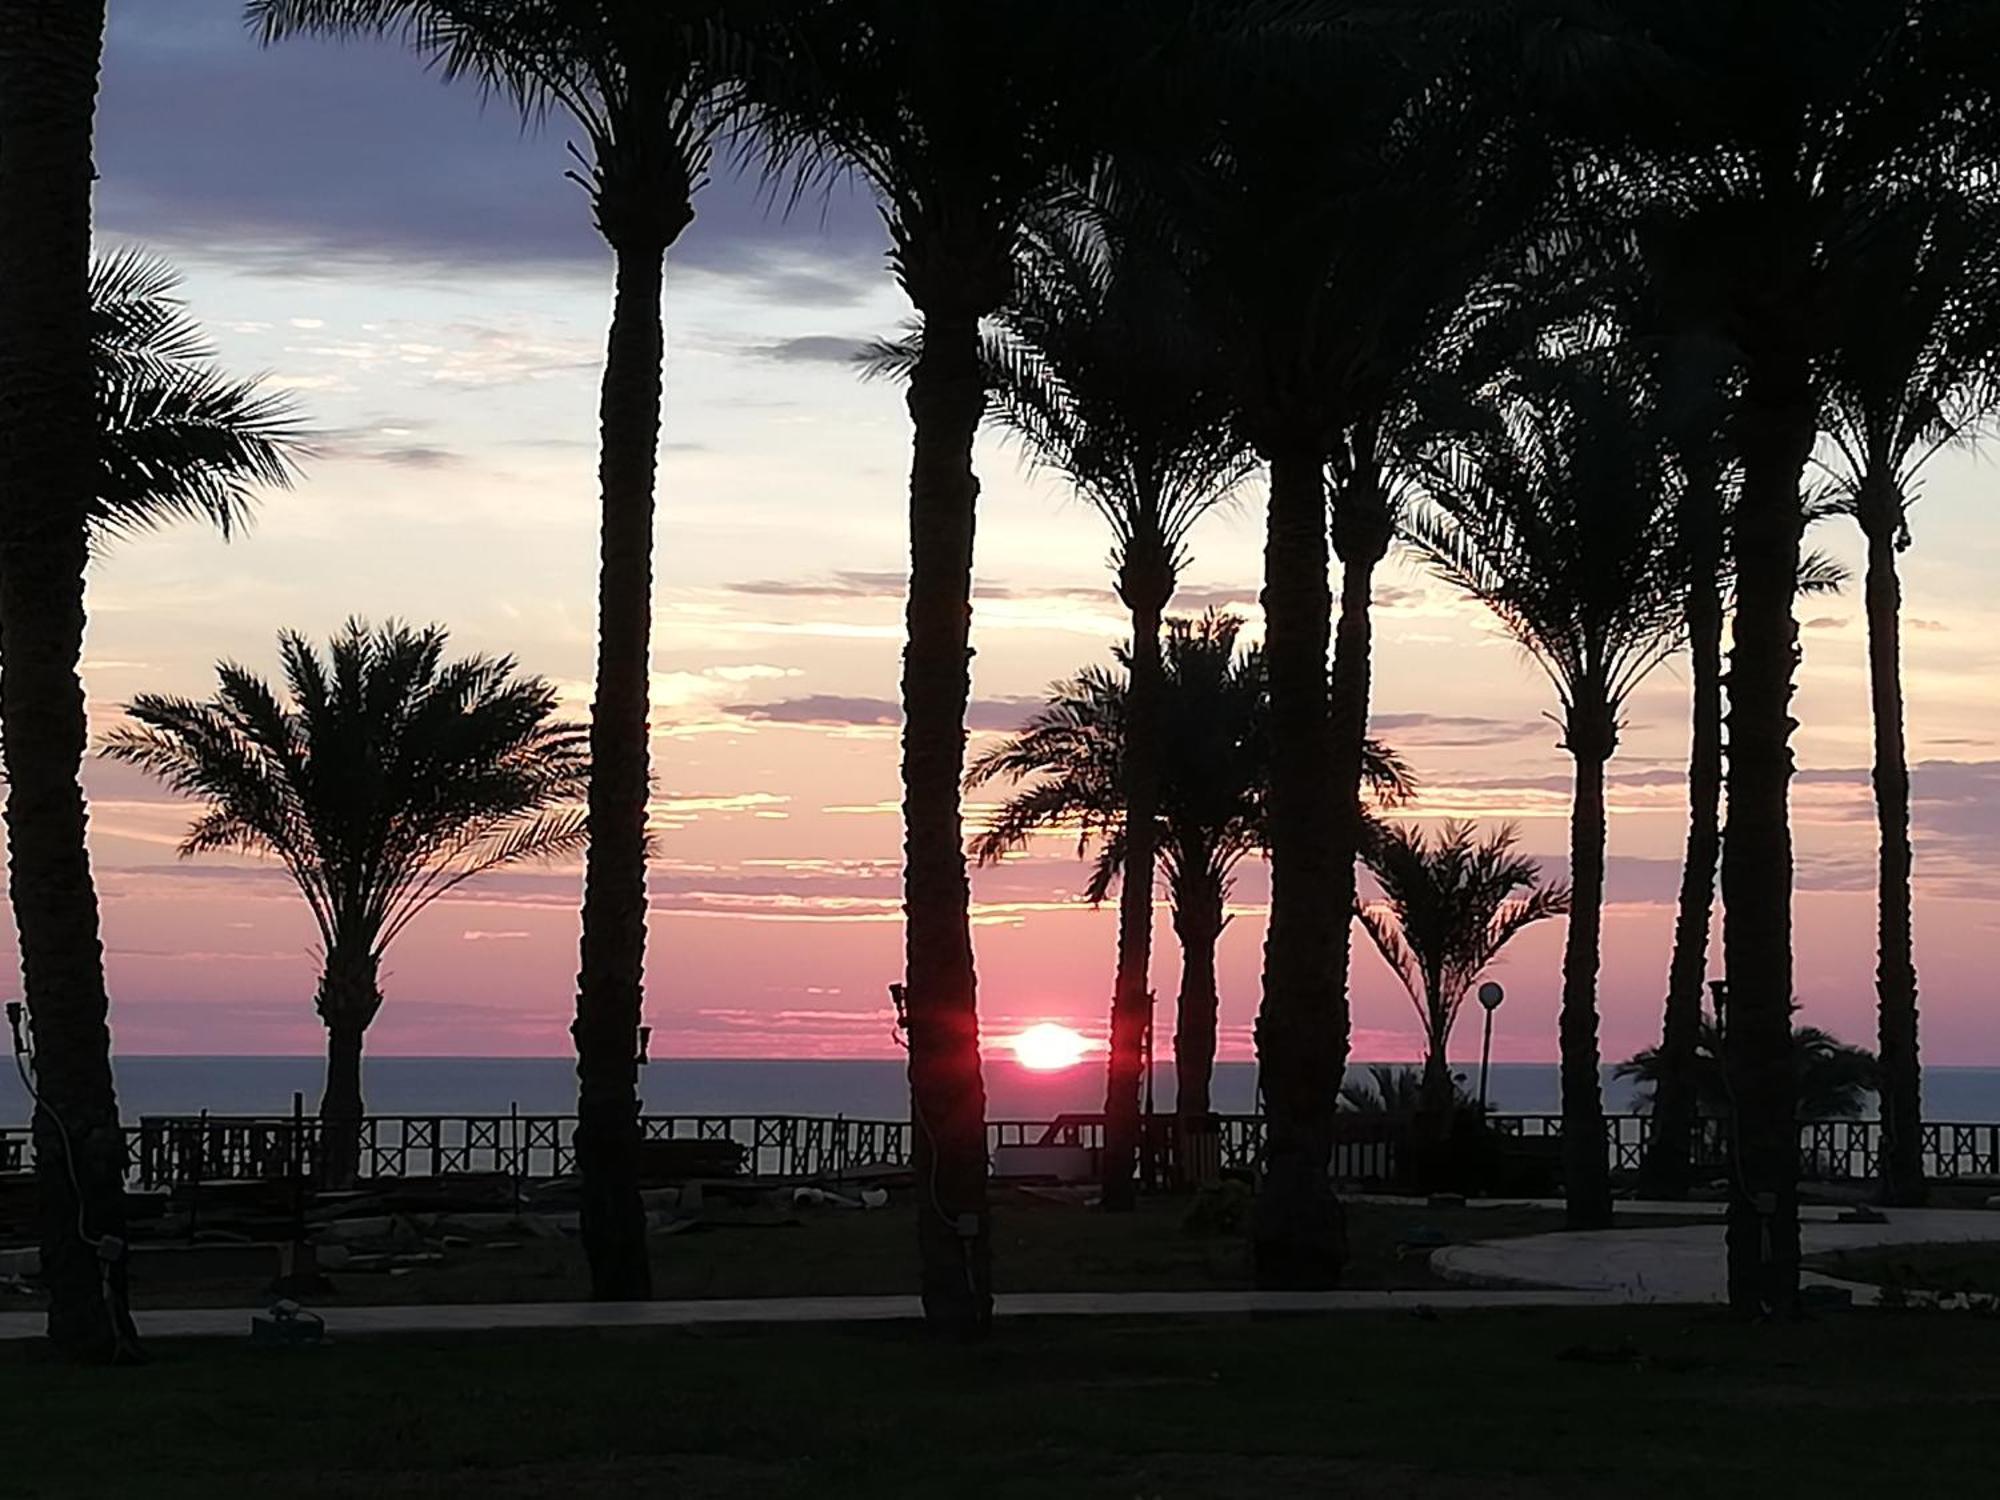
(772, 1250)
(1632, 1403)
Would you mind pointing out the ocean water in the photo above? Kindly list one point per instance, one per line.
(859, 1089)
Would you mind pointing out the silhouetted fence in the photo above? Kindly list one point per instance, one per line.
(207, 1148)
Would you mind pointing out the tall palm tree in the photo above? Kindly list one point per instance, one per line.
(1105, 383)
(1450, 904)
(1918, 368)
(1355, 182)
(1214, 776)
(1557, 514)
(643, 81)
(162, 435)
(966, 123)
(49, 470)
(389, 779)
(1758, 138)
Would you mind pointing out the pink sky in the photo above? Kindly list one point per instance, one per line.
(441, 320)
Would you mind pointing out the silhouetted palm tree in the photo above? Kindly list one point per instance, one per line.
(1353, 186)
(643, 83)
(1833, 1079)
(1101, 376)
(965, 122)
(1214, 775)
(1558, 516)
(1918, 368)
(1756, 140)
(49, 478)
(389, 779)
(1451, 902)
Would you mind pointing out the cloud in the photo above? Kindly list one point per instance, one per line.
(843, 584)
(814, 348)
(832, 710)
(1448, 730)
(1825, 622)
(346, 185)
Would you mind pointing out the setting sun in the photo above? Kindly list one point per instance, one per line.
(1047, 1047)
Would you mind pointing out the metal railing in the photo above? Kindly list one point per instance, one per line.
(165, 1150)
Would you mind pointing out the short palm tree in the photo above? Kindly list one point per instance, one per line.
(645, 81)
(1105, 383)
(388, 778)
(1918, 368)
(1834, 1079)
(1558, 515)
(967, 123)
(1451, 902)
(1214, 774)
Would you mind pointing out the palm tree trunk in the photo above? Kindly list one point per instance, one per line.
(1586, 1171)
(1895, 970)
(1298, 1238)
(1131, 999)
(49, 56)
(947, 1094)
(349, 996)
(611, 982)
(1361, 533)
(1198, 922)
(1776, 428)
(1668, 1169)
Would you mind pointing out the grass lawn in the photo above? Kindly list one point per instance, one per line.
(1932, 1268)
(1627, 1402)
(1039, 1246)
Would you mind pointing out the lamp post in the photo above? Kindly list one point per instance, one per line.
(1490, 996)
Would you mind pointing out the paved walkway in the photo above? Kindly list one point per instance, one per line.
(1685, 1265)
(234, 1322)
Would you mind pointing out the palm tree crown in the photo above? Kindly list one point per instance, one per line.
(390, 778)
(645, 80)
(1216, 768)
(1558, 514)
(181, 441)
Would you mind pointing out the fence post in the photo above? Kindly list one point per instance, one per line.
(514, 1119)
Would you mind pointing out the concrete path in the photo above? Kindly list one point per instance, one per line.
(234, 1322)
(1685, 1265)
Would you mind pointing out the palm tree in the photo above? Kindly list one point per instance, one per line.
(643, 81)
(1391, 1090)
(1557, 514)
(155, 434)
(966, 123)
(1918, 368)
(1103, 380)
(389, 779)
(1756, 140)
(49, 470)
(1833, 1079)
(1214, 776)
(1450, 904)
(1354, 181)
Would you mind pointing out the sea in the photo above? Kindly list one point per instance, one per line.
(858, 1089)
